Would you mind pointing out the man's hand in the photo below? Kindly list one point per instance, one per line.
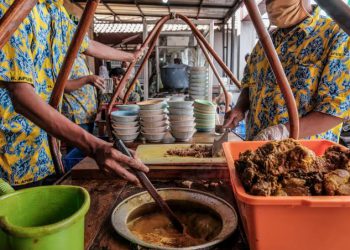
(138, 54)
(273, 133)
(96, 81)
(27, 103)
(114, 162)
(234, 117)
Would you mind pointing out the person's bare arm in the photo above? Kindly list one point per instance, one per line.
(105, 52)
(238, 112)
(75, 84)
(316, 123)
(30, 105)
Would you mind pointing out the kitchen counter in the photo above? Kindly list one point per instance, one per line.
(106, 194)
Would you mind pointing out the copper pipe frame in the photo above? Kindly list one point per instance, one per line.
(73, 50)
(13, 17)
(276, 66)
(210, 49)
(138, 73)
(206, 45)
(127, 74)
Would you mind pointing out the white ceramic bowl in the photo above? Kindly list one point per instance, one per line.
(119, 123)
(154, 137)
(198, 89)
(154, 118)
(203, 85)
(173, 111)
(177, 118)
(151, 104)
(124, 116)
(154, 130)
(199, 97)
(182, 123)
(176, 98)
(151, 112)
(155, 124)
(128, 107)
(183, 136)
(128, 138)
(180, 104)
(126, 130)
(181, 128)
(198, 69)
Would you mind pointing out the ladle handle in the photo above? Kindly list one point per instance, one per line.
(147, 184)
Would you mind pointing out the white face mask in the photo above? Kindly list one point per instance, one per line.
(286, 13)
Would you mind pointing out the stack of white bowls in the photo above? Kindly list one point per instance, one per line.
(199, 83)
(205, 114)
(181, 120)
(154, 120)
(125, 125)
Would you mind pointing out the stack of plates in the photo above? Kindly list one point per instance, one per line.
(154, 120)
(205, 113)
(125, 125)
(181, 120)
(199, 83)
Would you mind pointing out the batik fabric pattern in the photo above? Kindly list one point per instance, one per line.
(316, 58)
(80, 106)
(33, 55)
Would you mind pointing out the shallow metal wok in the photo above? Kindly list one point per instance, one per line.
(142, 203)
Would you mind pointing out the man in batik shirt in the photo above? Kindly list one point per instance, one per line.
(29, 65)
(80, 98)
(315, 54)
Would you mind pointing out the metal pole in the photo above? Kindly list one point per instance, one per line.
(232, 43)
(210, 49)
(144, 63)
(13, 17)
(56, 96)
(276, 66)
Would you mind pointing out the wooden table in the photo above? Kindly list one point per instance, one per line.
(106, 194)
(88, 169)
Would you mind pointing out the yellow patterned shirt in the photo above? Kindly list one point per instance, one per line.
(80, 106)
(316, 58)
(33, 55)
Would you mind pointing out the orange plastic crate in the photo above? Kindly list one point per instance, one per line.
(290, 223)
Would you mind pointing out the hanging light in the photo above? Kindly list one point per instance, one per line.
(165, 1)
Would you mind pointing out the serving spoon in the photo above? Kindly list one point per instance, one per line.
(147, 184)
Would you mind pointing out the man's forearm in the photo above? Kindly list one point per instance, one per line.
(105, 52)
(243, 102)
(316, 123)
(30, 105)
(73, 85)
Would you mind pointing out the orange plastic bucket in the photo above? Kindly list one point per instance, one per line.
(290, 223)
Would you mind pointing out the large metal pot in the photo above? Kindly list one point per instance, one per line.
(174, 76)
(142, 203)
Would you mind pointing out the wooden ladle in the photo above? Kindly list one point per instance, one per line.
(146, 183)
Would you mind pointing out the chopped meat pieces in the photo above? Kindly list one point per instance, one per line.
(338, 157)
(334, 180)
(195, 150)
(286, 168)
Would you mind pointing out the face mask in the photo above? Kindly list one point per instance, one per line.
(286, 13)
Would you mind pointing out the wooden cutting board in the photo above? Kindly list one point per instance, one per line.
(157, 155)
